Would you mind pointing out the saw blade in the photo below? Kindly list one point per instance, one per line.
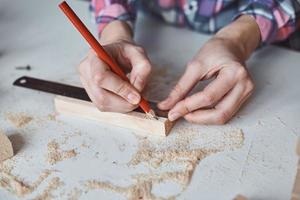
(66, 90)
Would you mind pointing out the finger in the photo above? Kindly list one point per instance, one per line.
(107, 101)
(141, 66)
(106, 79)
(211, 94)
(188, 80)
(223, 111)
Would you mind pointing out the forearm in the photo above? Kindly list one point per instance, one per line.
(115, 31)
(244, 33)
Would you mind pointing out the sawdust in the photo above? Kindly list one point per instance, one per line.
(19, 119)
(18, 187)
(54, 184)
(55, 154)
(74, 194)
(140, 190)
(180, 152)
(7, 168)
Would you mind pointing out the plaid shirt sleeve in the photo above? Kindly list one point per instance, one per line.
(105, 11)
(277, 19)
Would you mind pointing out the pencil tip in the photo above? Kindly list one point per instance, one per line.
(151, 114)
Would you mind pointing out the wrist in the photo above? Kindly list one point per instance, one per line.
(116, 31)
(244, 33)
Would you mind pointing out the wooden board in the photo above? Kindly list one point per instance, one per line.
(6, 149)
(133, 120)
(240, 197)
(296, 188)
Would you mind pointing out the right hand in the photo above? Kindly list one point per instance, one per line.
(106, 89)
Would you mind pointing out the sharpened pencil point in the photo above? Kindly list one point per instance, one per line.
(151, 114)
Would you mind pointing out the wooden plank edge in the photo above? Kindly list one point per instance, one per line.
(296, 188)
(133, 120)
(240, 197)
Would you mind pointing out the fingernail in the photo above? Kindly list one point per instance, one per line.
(173, 116)
(133, 98)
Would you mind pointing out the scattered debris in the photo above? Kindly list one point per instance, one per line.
(18, 187)
(54, 184)
(19, 119)
(55, 154)
(74, 194)
(155, 155)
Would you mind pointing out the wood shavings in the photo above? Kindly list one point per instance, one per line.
(6, 149)
(140, 190)
(7, 168)
(178, 152)
(54, 183)
(74, 194)
(55, 154)
(19, 119)
(18, 187)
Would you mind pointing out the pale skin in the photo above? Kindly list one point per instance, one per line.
(222, 59)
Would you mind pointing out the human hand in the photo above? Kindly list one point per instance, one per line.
(106, 89)
(223, 59)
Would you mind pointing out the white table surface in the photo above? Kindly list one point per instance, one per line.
(37, 33)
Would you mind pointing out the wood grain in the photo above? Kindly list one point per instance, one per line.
(133, 120)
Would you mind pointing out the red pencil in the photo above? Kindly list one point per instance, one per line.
(100, 51)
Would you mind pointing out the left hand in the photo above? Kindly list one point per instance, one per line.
(220, 59)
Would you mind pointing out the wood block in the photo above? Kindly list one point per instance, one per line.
(296, 188)
(240, 197)
(6, 149)
(132, 120)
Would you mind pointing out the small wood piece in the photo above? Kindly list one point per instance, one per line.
(296, 188)
(240, 197)
(133, 120)
(6, 149)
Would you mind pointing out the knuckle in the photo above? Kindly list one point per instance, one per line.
(241, 73)
(139, 49)
(123, 89)
(250, 86)
(146, 67)
(207, 98)
(99, 78)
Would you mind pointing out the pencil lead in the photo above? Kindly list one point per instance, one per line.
(151, 114)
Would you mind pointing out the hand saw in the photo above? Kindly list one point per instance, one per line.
(66, 90)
